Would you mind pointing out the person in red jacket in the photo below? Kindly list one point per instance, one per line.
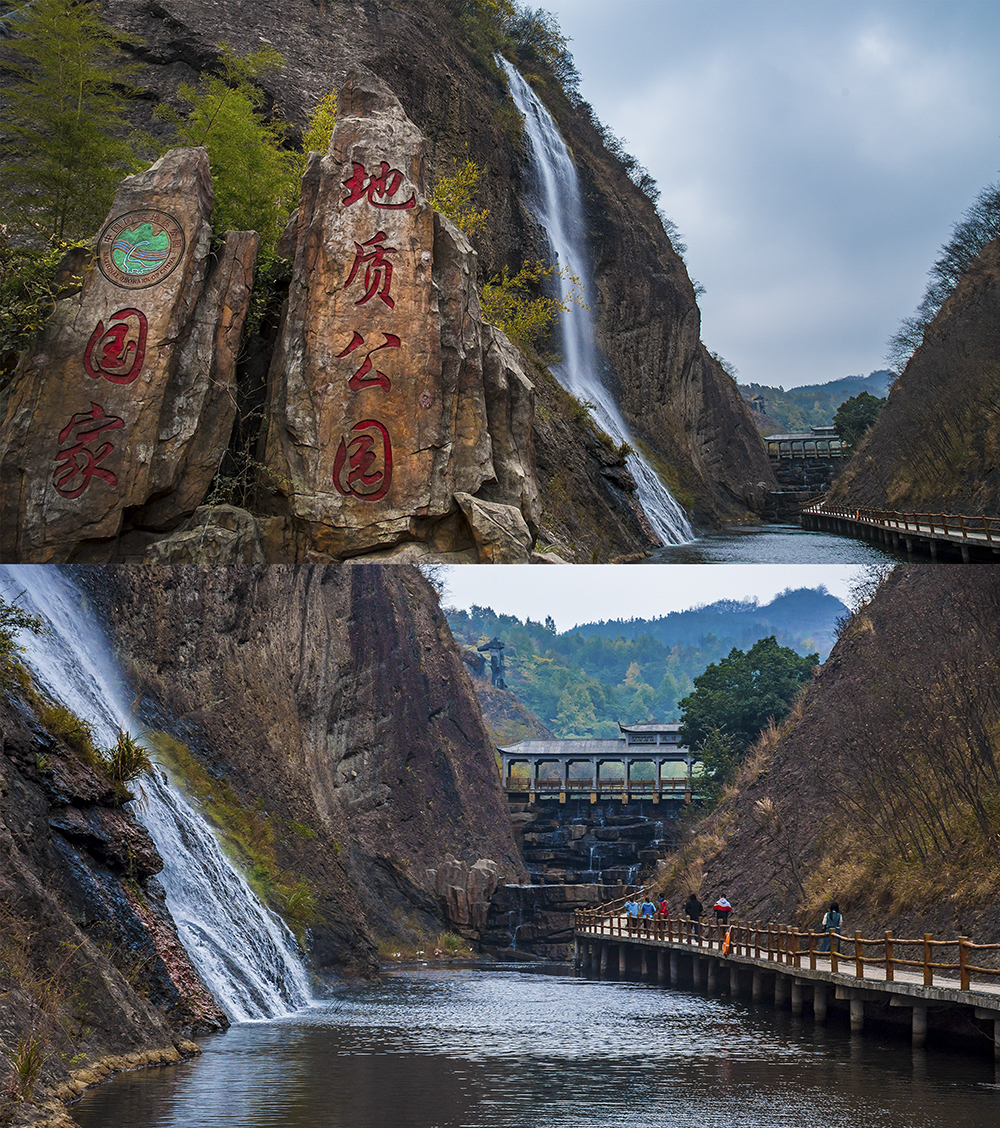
(663, 909)
(722, 910)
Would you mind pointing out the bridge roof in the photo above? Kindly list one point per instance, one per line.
(587, 748)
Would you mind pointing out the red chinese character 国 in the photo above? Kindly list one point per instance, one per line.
(361, 379)
(361, 468)
(378, 269)
(82, 458)
(117, 352)
(378, 188)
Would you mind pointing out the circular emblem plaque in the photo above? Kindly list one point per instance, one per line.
(140, 248)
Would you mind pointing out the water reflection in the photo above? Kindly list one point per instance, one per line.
(442, 1048)
(771, 544)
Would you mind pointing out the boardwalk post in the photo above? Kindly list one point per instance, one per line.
(919, 1035)
(928, 970)
(756, 940)
(674, 970)
(622, 951)
(604, 959)
(780, 989)
(796, 996)
(734, 981)
(661, 966)
(859, 956)
(819, 1002)
(890, 971)
(812, 951)
(963, 962)
(757, 990)
(710, 977)
(696, 971)
(857, 1014)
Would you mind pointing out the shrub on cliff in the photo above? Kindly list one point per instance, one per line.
(980, 225)
(256, 179)
(855, 416)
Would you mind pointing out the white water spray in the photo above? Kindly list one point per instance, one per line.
(244, 954)
(558, 208)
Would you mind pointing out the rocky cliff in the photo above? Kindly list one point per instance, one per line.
(335, 698)
(880, 790)
(93, 978)
(497, 480)
(935, 447)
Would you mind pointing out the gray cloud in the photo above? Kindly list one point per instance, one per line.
(814, 155)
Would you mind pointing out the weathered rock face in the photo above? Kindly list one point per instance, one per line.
(91, 960)
(121, 412)
(935, 446)
(338, 694)
(674, 394)
(539, 918)
(379, 426)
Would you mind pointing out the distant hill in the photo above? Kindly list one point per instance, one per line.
(804, 619)
(582, 682)
(813, 405)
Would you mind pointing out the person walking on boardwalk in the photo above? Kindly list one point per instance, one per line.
(722, 910)
(831, 924)
(648, 909)
(664, 909)
(693, 908)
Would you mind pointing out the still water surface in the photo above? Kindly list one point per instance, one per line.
(514, 1048)
(771, 544)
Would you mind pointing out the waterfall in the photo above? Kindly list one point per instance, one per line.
(558, 208)
(245, 955)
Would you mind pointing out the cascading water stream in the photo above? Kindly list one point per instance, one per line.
(245, 955)
(558, 208)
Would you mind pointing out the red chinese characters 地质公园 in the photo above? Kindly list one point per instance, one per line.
(79, 462)
(377, 188)
(117, 351)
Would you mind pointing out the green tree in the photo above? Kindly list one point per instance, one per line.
(718, 753)
(855, 416)
(256, 179)
(453, 197)
(740, 693)
(66, 142)
(13, 620)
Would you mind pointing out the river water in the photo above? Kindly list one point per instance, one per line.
(772, 544)
(517, 1048)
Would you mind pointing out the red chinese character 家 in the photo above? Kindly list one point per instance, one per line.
(79, 462)
(379, 188)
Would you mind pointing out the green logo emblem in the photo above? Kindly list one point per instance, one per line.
(140, 249)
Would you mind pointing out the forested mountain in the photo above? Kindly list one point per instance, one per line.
(583, 681)
(812, 405)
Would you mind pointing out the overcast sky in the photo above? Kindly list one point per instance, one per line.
(586, 593)
(814, 155)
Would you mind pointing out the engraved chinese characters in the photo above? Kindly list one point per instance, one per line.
(119, 414)
(363, 464)
(135, 251)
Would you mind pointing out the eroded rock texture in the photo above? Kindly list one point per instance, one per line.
(120, 413)
(337, 695)
(91, 962)
(377, 400)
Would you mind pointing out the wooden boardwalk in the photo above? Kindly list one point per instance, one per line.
(970, 537)
(927, 976)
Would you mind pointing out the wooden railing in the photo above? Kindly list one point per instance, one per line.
(785, 944)
(943, 524)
